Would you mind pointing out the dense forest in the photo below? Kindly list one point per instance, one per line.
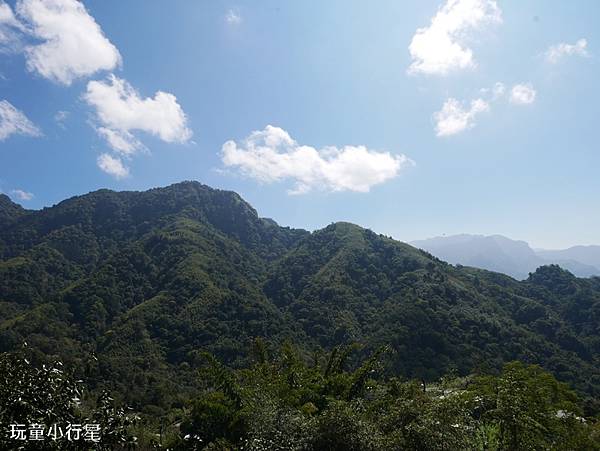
(158, 297)
(283, 402)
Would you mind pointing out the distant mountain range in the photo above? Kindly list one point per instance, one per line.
(512, 257)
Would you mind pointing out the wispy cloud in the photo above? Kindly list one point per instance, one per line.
(22, 195)
(440, 48)
(557, 52)
(271, 155)
(498, 90)
(11, 29)
(233, 17)
(61, 117)
(14, 122)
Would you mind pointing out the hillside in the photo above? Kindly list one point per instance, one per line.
(130, 287)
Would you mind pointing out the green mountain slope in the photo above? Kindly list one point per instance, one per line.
(345, 284)
(131, 287)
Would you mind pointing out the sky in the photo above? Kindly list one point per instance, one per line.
(414, 119)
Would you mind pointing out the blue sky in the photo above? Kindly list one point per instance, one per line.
(414, 119)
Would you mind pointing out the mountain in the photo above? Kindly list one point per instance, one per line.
(586, 255)
(495, 253)
(130, 288)
(9, 211)
(515, 258)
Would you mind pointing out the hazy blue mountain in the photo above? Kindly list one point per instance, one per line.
(586, 255)
(512, 257)
(494, 253)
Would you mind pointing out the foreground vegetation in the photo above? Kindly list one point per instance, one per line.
(49, 399)
(326, 403)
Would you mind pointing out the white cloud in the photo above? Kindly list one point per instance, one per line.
(14, 122)
(74, 45)
(7, 17)
(556, 52)
(439, 48)
(22, 195)
(113, 166)
(455, 117)
(522, 94)
(10, 28)
(120, 110)
(271, 155)
(121, 141)
(233, 17)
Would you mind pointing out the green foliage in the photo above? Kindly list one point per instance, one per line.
(214, 416)
(47, 396)
(287, 404)
(529, 409)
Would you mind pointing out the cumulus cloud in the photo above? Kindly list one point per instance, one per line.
(522, 94)
(271, 155)
(73, 44)
(22, 195)
(112, 166)
(14, 122)
(120, 110)
(456, 117)
(440, 48)
(557, 52)
(233, 17)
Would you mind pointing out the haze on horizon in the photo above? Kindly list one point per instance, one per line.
(416, 120)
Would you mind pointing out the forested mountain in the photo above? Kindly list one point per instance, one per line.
(129, 288)
(515, 258)
(9, 211)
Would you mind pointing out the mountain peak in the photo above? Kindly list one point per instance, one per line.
(345, 232)
(9, 210)
(344, 226)
(117, 217)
